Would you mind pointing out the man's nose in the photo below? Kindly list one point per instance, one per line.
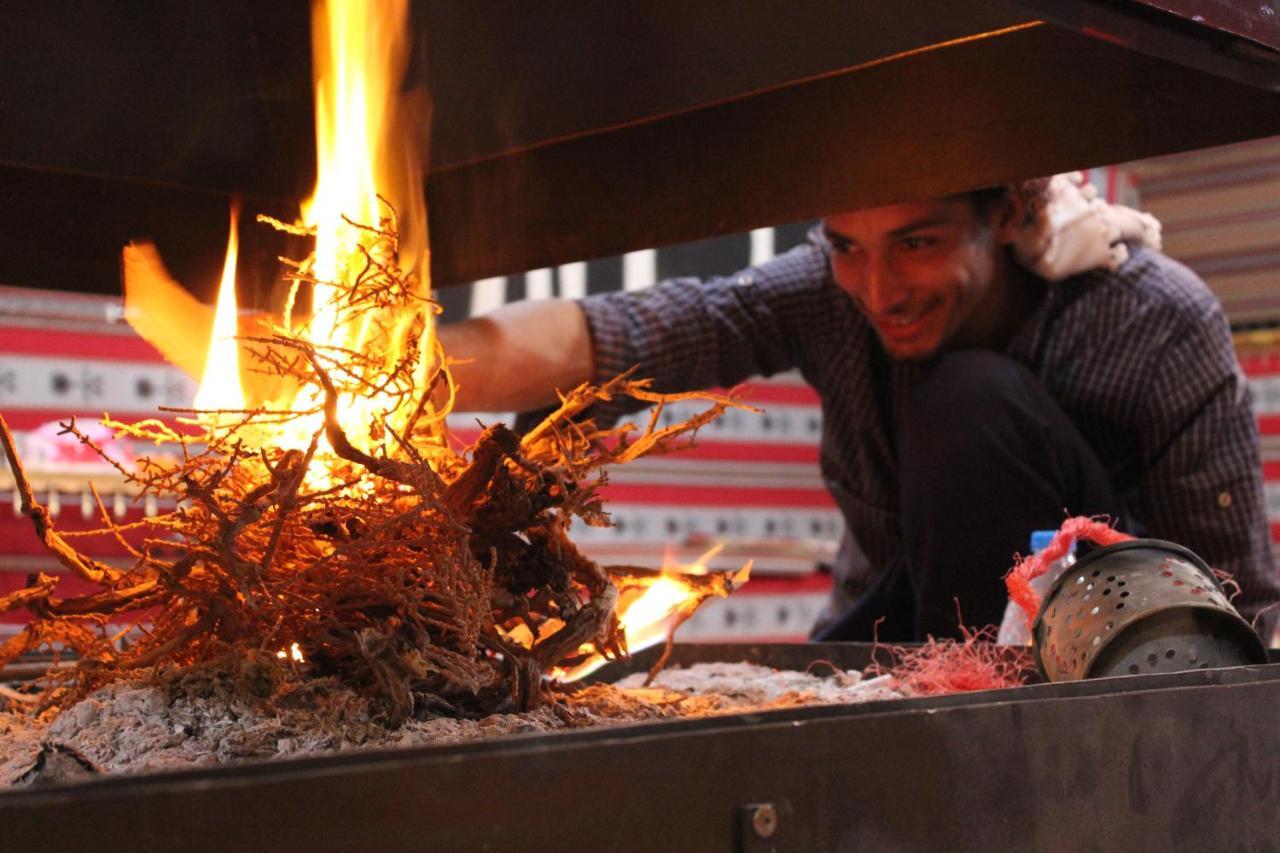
(882, 292)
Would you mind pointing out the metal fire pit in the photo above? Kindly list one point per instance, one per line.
(1153, 762)
(570, 130)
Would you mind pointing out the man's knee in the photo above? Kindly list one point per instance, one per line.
(966, 398)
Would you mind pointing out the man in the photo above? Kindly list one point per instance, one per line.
(967, 400)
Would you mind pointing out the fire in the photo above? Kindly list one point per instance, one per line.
(359, 54)
(651, 605)
(368, 187)
(356, 366)
(294, 654)
(358, 50)
(220, 384)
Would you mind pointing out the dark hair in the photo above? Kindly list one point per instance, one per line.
(1034, 193)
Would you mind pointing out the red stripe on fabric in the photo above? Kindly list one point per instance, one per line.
(19, 537)
(1271, 470)
(28, 419)
(645, 493)
(1237, 260)
(729, 451)
(1265, 214)
(1269, 424)
(770, 392)
(1217, 175)
(69, 586)
(55, 342)
(1259, 365)
(707, 449)
(803, 585)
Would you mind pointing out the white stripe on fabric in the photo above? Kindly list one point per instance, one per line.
(573, 280)
(762, 246)
(488, 294)
(639, 269)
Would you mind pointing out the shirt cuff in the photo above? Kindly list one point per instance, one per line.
(611, 346)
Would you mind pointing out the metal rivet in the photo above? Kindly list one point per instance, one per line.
(1224, 499)
(764, 820)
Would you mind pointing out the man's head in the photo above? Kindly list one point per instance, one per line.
(931, 275)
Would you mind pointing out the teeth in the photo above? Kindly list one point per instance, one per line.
(896, 321)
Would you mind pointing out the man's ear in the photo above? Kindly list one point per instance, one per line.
(1009, 216)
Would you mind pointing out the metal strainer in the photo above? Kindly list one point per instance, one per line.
(1140, 606)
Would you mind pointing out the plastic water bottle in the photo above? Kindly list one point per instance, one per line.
(1013, 628)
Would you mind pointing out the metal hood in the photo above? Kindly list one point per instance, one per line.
(563, 131)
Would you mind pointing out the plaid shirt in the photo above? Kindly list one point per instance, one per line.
(1141, 360)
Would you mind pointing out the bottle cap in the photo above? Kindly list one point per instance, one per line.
(1040, 540)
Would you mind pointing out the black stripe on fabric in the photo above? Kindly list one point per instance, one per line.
(516, 288)
(788, 236)
(604, 275)
(717, 256)
(456, 302)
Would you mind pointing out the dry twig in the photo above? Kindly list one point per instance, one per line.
(377, 555)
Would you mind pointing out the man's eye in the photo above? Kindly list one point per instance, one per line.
(913, 244)
(840, 245)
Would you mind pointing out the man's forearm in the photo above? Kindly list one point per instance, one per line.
(516, 358)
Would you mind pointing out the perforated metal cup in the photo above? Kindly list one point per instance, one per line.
(1140, 606)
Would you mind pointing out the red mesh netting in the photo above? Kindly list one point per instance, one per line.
(974, 662)
(1020, 576)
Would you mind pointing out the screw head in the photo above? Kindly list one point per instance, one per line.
(764, 820)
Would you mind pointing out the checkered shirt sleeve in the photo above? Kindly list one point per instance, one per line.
(686, 334)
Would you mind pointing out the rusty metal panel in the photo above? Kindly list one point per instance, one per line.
(562, 131)
(1258, 20)
(1179, 761)
(1033, 101)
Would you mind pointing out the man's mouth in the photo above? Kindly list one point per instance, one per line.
(906, 326)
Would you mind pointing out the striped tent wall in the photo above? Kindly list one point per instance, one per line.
(1221, 213)
(752, 484)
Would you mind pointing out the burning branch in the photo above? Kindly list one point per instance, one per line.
(323, 520)
(337, 522)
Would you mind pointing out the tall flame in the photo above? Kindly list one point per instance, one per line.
(359, 51)
(220, 385)
(368, 211)
(362, 166)
(369, 171)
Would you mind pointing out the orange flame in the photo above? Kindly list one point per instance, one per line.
(359, 50)
(367, 173)
(359, 53)
(367, 168)
(294, 654)
(652, 604)
(220, 384)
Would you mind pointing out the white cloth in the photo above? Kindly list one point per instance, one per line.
(1075, 231)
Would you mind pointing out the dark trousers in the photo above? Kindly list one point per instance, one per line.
(985, 456)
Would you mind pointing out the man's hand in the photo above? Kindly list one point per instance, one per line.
(516, 358)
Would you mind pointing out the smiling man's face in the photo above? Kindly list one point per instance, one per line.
(925, 274)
